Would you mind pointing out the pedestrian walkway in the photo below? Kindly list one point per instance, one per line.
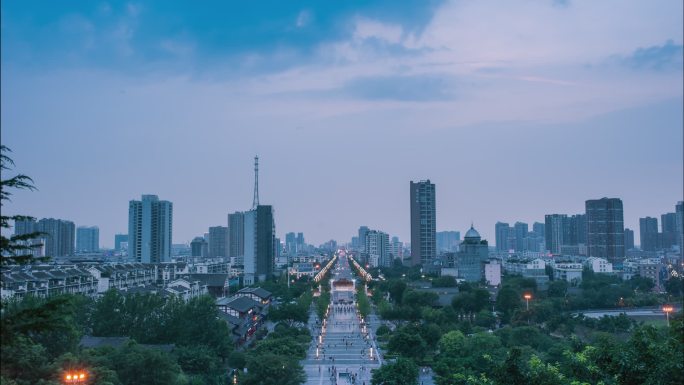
(343, 350)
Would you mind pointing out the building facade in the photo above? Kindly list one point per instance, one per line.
(605, 229)
(217, 242)
(58, 238)
(236, 235)
(87, 239)
(377, 248)
(423, 223)
(472, 255)
(150, 226)
(648, 233)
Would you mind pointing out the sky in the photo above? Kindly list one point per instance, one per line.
(514, 109)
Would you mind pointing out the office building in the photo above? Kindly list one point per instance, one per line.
(58, 238)
(448, 240)
(150, 227)
(217, 242)
(472, 255)
(629, 239)
(555, 227)
(301, 245)
(520, 232)
(502, 232)
(648, 234)
(605, 229)
(236, 235)
(259, 257)
(396, 249)
(423, 223)
(87, 239)
(377, 248)
(576, 230)
(118, 240)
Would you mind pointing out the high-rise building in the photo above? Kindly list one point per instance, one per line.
(301, 245)
(668, 224)
(679, 225)
(502, 231)
(648, 233)
(217, 242)
(605, 229)
(448, 240)
(423, 223)
(236, 235)
(25, 226)
(118, 240)
(150, 227)
(259, 244)
(377, 248)
(396, 249)
(291, 244)
(521, 230)
(58, 237)
(473, 253)
(363, 230)
(629, 239)
(539, 229)
(87, 239)
(555, 227)
(199, 247)
(576, 230)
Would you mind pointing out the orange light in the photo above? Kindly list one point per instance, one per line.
(68, 377)
(81, 376)
(528, 296)
(668, 309)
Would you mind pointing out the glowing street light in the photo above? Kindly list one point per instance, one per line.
(527, 297)
(75, 377)
(668, 309)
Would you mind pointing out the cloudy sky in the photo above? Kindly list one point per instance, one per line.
(515, 109)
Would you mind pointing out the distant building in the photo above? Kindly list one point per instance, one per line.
(629, 239)
(679, 225)
(87, 239)
(568, 271)
(555, 227)
(150, 227)
(396, 249)
(668, 224)
(538, 228)
(605, 229)
(236, 235)
(648, 233)
(118, 240)
(301, 245)
(520, 230)
(363, 230)
(599, 265)
(59, 236)
(423, 223)
(448, 240)
(259, 243)
(291, 244)
(492, 272)
(199, 247)
(377, 248)
(502, 230)
(217, 243)
(471, 257)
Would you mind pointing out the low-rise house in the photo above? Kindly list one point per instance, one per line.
(185, 289)
(599, 265)
(245, 316)
(568, 271)
(217, 284)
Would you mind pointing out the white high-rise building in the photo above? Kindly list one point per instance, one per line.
(87, 239)
(150, 225)
(377, 247)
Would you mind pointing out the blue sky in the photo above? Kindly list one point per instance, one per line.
(515, 109)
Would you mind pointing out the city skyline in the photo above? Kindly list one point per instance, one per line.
(101, 104)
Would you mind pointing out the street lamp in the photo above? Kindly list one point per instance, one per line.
(527, 297)
(668, 309)
(75, 377)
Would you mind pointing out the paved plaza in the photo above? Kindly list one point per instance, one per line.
(340, 352)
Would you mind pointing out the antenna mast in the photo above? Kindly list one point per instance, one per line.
(255, 201)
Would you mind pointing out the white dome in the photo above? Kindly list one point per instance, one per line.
(472, 233)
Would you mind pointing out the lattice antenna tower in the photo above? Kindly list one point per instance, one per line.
(255, 201)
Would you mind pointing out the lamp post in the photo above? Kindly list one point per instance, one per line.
(668, 309)
(527, 297)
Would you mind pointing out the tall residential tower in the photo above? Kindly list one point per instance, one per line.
(423, 223)
(150, 225)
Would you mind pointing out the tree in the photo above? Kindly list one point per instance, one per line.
(558, 289)
(507, 300)
(272, 369)
(407, 344)
(401, 372)
(290, 313)
(16, 248)
(137, 365)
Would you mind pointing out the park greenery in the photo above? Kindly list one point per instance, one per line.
(551, 343)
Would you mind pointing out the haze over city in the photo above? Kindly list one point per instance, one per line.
(514, 110)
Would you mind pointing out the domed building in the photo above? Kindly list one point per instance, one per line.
(472, 256)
